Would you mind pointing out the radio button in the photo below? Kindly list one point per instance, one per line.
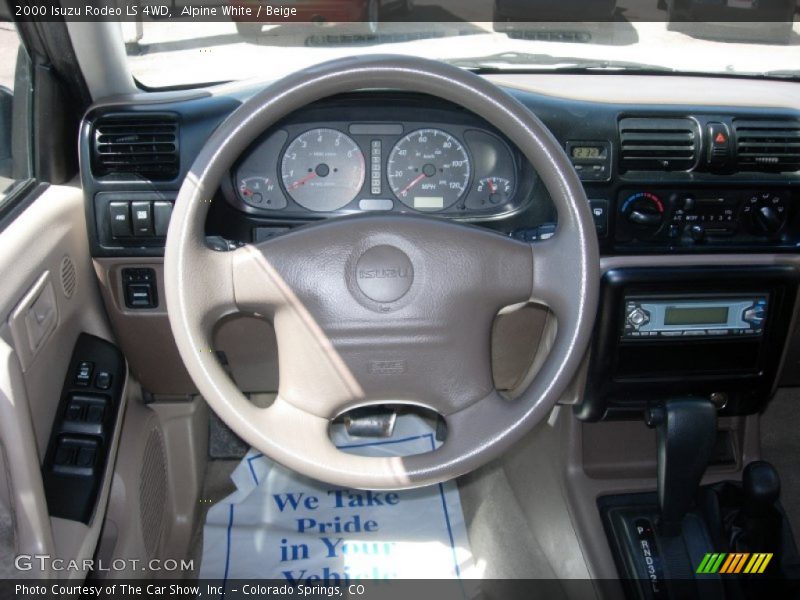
(638, 317)
(755, 315)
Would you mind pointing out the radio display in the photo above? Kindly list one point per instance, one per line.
(697, 315)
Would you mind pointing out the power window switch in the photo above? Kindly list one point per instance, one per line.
(74, 411)
(95, 413)
(142, 219)
(120, 216)
(65, 454)
(85, 458)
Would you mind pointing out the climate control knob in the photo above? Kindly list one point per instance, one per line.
(644, 210)
(696, 232)
(766, 213)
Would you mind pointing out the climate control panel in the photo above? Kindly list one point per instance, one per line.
(706, 217)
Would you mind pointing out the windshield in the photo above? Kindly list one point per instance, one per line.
(193, 48)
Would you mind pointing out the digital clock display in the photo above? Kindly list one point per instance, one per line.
(586, 152)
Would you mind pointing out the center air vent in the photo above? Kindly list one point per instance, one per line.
(658, 144)
(137, 144)
(767, 145)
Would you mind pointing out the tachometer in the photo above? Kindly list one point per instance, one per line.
(323, 169)
(428, 170)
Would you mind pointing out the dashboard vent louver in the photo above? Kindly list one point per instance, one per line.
(767, 145)
(139, 144)
(658, 144)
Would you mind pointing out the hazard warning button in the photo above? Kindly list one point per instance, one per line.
(719, 148)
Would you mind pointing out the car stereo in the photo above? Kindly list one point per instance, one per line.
(666, 332)
(680, 317)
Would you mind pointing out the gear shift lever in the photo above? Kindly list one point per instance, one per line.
(758, 525)
(762, 487)
(686, 430)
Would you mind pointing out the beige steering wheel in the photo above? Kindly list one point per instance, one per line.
(421, 333)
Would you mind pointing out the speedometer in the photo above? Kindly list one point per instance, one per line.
(323, 169)
(428, 170)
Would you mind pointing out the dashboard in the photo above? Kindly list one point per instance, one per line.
(659, 179)
(317, 164)
(666, 185)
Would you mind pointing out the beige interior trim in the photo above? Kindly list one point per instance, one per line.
(657, 90)
(155, 496)
(33, 534)
(36, 242)
(100, 52)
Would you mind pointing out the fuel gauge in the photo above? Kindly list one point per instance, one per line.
(261, 192)
(493, 191)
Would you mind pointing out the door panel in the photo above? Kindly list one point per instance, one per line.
(39, 325)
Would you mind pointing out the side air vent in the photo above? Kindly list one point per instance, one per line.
(145, 145)
(767, 145)
(658, 144)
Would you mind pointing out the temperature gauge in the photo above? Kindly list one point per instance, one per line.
(493, 191)
(261, 192)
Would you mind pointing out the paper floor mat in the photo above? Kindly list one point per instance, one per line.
(281, 525)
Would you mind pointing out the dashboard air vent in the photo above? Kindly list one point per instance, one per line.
(767, 145)
(138, 144)
(658, 144)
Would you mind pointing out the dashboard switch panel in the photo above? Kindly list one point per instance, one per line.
(132, 219)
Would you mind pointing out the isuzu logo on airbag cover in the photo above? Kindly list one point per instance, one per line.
(384, 273)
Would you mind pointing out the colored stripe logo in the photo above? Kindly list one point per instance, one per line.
(736, 562)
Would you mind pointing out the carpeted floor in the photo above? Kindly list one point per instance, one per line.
(216, 486)
(780, 445)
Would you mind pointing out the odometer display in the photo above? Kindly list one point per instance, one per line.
(428, 170)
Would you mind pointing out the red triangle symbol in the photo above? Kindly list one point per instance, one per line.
(720, 139)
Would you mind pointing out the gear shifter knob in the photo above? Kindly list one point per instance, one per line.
(686, 430)
(761, 486)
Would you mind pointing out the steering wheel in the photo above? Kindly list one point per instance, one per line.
(382, 309)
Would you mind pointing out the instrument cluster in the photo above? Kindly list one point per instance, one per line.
(323, 168)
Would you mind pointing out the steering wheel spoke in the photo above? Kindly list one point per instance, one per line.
(557, 277)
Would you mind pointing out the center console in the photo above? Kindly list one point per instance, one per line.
(715, 332)
(711, 332)
(678, 347)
